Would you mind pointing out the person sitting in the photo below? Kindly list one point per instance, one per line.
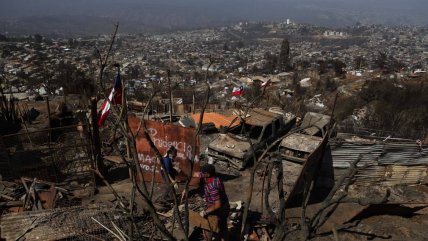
(216, 200)
(167, 162)
(168, 174)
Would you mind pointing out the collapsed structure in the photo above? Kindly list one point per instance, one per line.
(260, 129)
(48, 186)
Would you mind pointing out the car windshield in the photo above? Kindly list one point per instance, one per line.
(244, 129)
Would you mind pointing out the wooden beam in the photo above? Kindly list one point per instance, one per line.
(210, 223)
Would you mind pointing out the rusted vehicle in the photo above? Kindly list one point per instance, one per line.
(302, 151)
(306, 138)
(260, 127)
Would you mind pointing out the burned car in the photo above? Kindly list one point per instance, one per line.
(306, 138)
(260, 127)
(302, 151)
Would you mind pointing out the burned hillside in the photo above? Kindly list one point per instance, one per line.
(236, 142)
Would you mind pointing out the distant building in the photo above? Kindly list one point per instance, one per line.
(329, 33)
(212, 68)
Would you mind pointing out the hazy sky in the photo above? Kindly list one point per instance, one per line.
(179, 13)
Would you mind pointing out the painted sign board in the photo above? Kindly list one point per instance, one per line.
(163, 136)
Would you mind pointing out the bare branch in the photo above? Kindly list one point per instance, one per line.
(119, 198)
(170, 185)
(275, 219)
(272, 215)
(136, 172)
(103, 63)
(135, 168)
(256, 163)
(344, 181)
(198, 130)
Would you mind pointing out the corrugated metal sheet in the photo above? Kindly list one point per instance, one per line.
(343, 154)
(391, 175)
(405, 154)
(377, 153)
(388, 162)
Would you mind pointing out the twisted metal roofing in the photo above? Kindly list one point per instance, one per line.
(375, 152)
(385, 161)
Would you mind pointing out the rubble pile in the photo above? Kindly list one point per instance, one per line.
(32, 194)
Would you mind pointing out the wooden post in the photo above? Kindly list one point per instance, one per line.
(125, 116)
(21, 113)
(193, 99)
(170, 97)
(335, 234)
(267, 98)
(49, 121)
(49, 112)
(64, 95)
(99, 164)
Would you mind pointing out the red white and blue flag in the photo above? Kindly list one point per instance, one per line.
(115, 97)
(237, 91)
(267, 84)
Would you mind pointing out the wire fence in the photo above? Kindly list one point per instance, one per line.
(67, 224)
(60, 154)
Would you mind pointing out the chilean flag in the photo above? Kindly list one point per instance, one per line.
(115, 97)
(238, 91)
(267, 84)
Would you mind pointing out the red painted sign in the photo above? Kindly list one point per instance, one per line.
(163, 136)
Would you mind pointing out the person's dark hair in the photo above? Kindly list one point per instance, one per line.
(171, 150)
(210, 169)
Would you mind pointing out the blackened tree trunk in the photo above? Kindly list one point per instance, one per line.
(284, 55)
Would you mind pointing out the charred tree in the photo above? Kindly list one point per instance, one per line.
(284, 56)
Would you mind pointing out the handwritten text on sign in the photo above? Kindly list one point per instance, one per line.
(164, 136)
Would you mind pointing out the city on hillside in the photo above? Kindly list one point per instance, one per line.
(251, 130)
